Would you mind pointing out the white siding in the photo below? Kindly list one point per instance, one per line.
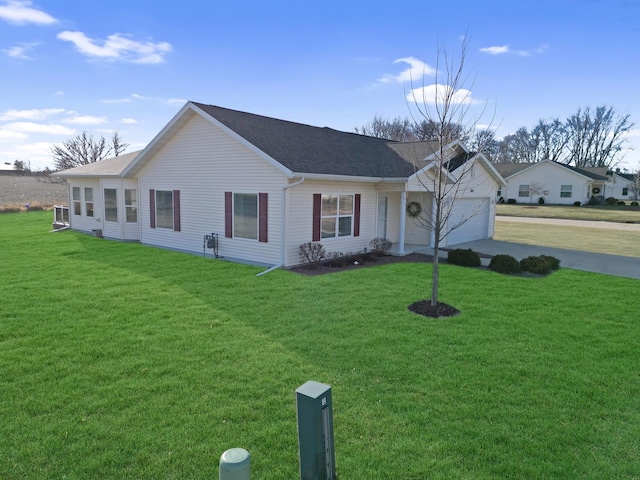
(203, 162)
(417, 231)
(300, 214)
(615, 188)
(82, 222)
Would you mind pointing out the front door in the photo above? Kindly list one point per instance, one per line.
(383, 202)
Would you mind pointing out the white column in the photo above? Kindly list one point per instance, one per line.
(403, 217)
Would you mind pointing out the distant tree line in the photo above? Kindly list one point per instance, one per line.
(588, 138)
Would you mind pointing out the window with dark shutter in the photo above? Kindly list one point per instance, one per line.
(263, 216)
(356, 216)
(152, 208)
(176, 210)
(228, 214)
(317, 216)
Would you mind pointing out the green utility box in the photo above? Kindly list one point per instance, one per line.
(315, 432)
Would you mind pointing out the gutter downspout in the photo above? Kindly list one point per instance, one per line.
(284, 226)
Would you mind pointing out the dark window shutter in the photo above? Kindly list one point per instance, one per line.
(263, 216)
(228, 214)
(356, 216)
(176, 210)
(317, 214)
(152, 208)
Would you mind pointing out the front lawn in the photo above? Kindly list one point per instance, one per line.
(124, 361)
(605, 213)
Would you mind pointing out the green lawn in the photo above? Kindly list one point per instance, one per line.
(597, 240)
(124, 361)
(614, 213)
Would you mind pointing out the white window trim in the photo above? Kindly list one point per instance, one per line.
(337, 216)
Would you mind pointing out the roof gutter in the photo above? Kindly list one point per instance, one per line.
(348, 178)
(284, 227)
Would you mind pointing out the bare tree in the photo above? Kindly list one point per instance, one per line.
(84, 149)
(398, 129)
(452, 173)
(596, 137)
(550, 139)
(535, 188)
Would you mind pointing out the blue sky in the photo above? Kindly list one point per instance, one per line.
(129, 65)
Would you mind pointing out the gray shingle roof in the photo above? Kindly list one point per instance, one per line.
(109, 167)
(509, 169)
(316, 150)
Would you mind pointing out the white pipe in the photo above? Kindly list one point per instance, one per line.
(283, 251)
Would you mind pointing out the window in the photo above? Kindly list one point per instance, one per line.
(625, 191)
(88, 201)
(246, 216)
(335, 216)
(77, 206)
(523, 191)
(164, 209)
(111, 205)
(565, 191)
(499, 192)
(131, 205)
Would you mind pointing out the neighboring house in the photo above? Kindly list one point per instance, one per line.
(621, 186)
(555, 182)
(266, 186)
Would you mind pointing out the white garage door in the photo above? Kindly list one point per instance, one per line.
(477, 225)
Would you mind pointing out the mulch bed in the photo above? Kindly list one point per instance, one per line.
(324, 267)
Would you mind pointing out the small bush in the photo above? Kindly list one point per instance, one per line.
(537, 265)
(511, 200)
(553, 262)
(311, 253)
(594, 201)
(620, 202)
(577, 204)
(541, 201)
(505, 264)
(634, 204)
(610, 201)
(338, 259)
(380, 246)
(464, 257)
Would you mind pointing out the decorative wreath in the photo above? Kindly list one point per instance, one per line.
(414, 209)
(596, 190)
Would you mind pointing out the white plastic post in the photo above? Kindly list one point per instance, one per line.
(235, 464)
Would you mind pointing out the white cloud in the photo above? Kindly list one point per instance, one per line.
(33, 114)
(505, 49)
(129, 121)
(496, 50)
(86, 120)
(117, 100)
(439, 94)
(20, 13)
(20, 50)
(417, 69)
(32, 127)
(117, 47)
(11, 135)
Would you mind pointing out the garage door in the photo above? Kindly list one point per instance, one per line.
(477, 225)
